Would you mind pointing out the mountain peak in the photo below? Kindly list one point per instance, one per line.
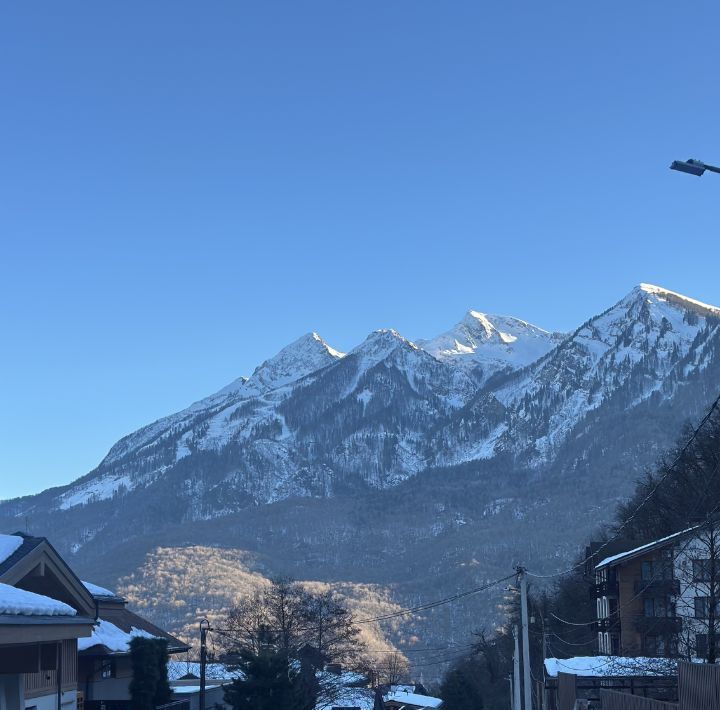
(650, 293)
(491, 342)
(380, 343)
(302, 357)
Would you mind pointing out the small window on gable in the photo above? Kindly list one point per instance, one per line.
(107, 668)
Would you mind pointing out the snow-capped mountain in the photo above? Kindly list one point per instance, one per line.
(487, 344)
(455, 454)
(311, 420)
(651, 342)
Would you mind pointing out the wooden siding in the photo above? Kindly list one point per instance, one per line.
(46, 682)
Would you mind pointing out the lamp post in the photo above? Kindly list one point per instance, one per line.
(693, 167)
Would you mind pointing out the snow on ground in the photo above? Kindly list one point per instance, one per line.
(97, 591)
(610, 666)
(114, 639)
(20, 602)
(8, 545)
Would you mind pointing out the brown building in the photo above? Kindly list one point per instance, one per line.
(637, 593)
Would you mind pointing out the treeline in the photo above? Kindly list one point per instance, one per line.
(681, 491)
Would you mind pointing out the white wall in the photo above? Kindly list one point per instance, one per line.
(49, 702)
(11, 691)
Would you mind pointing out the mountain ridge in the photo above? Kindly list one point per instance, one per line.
(388, 464)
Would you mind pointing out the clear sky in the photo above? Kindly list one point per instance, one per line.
(187, 187)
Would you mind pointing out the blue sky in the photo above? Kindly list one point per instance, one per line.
(187, 187)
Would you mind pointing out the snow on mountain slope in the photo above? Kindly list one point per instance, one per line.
(311, 419)
(491, 343)
(646, 343)
(301, 358)
(307, 354)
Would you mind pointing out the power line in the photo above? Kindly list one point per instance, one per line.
(439, 602)
(654, 578)
(642, 503)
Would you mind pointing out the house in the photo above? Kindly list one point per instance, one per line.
(405, 697)
(64, 643)
(661, 598)
(44, 610)
(104, 663)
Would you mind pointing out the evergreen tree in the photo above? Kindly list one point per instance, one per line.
(460, 688)
(145, 673)
(163, 692)
(269, 683)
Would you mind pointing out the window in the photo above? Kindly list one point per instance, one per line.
(615, 645)
(702, 607)
(701, 645)
(658, 606)
(601, 648)
(647, 570)
(701, 570)
(649, 606)
(650, 645)
(107, 668)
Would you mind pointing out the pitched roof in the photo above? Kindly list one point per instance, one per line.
(648, 547)
(117, 626)
(17, 551)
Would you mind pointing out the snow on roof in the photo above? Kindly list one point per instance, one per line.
(8, 545)
(19, 602)
(424, 701)
(178, 689)
(97, 591)
(605, 666)
(114, 639)
(363, 698)
(213, 671)
(642, 548)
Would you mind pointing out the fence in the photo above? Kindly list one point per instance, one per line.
(612, 700)
(699, 685)
(698, 689)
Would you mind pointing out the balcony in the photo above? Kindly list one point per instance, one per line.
(607, 624)
(658, 625)
(605, 589)
(660, 587)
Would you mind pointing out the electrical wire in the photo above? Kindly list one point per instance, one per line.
(647, 582)
(642, 503)
(433, 605)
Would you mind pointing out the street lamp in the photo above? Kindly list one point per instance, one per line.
(693, 167)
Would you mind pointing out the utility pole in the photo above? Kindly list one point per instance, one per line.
(527, 686)
(204, 628)
(516, 672)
